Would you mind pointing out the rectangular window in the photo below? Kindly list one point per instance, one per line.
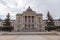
(38, 19)
(18, 19)
(18, 26)
(39, 26)
(32, 19)
(25, 18)
(25, 26)
(29, 19)
(32, 26)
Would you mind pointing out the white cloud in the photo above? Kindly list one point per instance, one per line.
(42, 6)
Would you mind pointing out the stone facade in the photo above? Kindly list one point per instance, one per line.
(29, 21)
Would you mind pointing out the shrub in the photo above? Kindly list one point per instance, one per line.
(7, 28)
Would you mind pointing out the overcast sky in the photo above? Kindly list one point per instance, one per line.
(40, 6)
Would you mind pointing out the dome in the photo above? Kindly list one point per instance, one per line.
(29, 9)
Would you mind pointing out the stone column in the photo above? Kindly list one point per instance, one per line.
(31, 19)
(27, 19)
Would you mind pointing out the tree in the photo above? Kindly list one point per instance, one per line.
(7, 21)
(7, 24)
(50, 23)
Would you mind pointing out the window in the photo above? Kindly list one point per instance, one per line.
(32, 26)
(29, 19)
(18, 26)
(29, 26)
(32, 19)
(39, 19)
(25, 18)
(40, 26)
(18, 19)
(40, 30)
(25, 26)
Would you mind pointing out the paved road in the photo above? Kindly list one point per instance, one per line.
(29, 37)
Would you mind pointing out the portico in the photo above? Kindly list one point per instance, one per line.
(29, 21)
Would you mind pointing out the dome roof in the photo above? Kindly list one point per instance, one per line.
(29, 9)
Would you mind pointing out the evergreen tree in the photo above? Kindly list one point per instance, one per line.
(7, 21)
(50, 23)
(7, 24)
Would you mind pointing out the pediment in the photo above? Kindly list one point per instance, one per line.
(29, 12)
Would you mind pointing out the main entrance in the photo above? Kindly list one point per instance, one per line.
(29, 30)
(29, 24)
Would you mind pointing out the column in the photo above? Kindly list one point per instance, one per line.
(27, 19)
(30, 19)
